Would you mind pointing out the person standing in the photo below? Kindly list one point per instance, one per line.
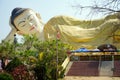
(15, 39)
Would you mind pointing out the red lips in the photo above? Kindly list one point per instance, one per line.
(32, 28)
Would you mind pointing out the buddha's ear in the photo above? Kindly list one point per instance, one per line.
(38, 15)
(11, 25)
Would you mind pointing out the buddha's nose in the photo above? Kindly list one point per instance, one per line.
(31, 26)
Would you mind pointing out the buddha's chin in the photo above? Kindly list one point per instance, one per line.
(35, 33)
(32, 32)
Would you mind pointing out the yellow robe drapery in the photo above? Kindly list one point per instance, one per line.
(81, 33)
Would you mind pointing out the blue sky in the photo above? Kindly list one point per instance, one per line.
(46, 8)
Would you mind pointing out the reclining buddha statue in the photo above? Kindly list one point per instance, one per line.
(76, 32)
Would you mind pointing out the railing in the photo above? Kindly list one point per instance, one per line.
(92, 52)
(65, 63)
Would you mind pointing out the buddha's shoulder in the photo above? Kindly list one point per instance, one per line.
(63, 17)
(113, 16)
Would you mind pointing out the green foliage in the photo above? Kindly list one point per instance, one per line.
(6, 49)
(5, 76)
(42, 57)
(49, 51)
(40, 72)
(54, 73)
(61, 75)
(14, 63)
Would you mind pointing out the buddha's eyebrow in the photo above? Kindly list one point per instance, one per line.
(23, 20)
(29, 16)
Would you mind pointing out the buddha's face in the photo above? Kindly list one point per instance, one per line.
(28, 23)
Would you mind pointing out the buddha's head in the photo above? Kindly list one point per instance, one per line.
(26, 21)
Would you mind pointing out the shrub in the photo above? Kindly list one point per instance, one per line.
(40, 72)
(5, 76)
(14, 63)
(21, 73)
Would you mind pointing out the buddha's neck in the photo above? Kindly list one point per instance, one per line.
(41, 36)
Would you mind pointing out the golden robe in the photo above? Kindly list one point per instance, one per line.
(84, 33)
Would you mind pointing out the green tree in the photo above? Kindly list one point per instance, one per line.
(49, 51)
(38, 56)
(6, 49)
(6, 76)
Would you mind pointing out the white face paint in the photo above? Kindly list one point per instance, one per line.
(28, 23)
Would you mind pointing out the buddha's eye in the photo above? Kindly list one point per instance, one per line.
(30, 19)
(22, 24)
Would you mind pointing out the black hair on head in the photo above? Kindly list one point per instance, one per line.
(16, 11)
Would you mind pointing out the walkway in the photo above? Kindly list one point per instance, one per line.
(90, 78)
(91, 68)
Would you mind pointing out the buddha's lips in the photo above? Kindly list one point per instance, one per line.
(32, 28)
